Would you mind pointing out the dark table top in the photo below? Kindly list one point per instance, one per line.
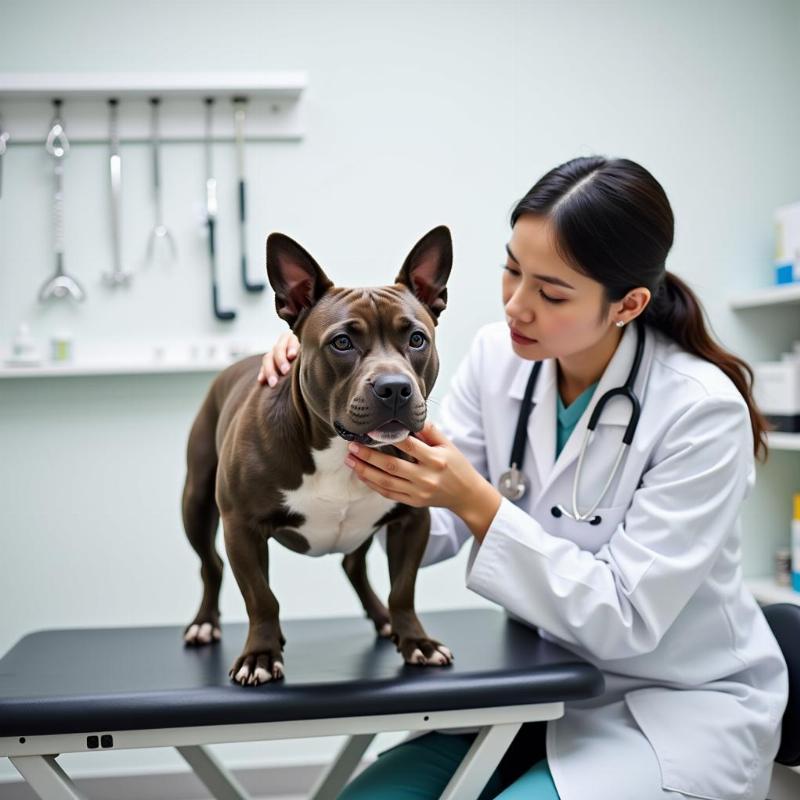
(90, 679)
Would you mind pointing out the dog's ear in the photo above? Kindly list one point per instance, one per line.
(427, 268)
(297, 279)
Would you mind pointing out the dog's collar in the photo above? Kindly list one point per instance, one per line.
(361, 438)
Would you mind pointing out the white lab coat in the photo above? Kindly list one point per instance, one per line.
(696, 685)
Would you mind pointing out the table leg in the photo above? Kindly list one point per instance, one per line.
(46, 777)
(332, 781)
(479, 763)
(217, 779)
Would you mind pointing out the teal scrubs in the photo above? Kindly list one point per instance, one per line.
(422, 768)
(568, 416)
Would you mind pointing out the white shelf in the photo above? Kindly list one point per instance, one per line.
(273, 111)
(771, 296)
(766, 591)
(85, 368)
(204, 355)
(276, 85)
(784, 441)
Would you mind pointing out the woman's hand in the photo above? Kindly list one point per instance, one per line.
(439, 476)
(275, 363)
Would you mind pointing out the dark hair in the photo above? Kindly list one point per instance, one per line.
(613, 222)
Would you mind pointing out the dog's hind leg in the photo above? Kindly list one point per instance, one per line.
(355, 566)
(200, 521)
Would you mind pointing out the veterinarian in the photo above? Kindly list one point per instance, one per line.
(629, 557)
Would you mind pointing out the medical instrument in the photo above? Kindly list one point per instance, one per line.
(118, 276)
(513, 484)
(239, 104)
(211, 216)
(160, 232)
(60, 285)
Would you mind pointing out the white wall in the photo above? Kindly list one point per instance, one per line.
(417, 114)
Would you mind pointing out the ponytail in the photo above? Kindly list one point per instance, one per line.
(675, 310)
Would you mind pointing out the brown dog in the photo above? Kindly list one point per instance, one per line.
(270, 461)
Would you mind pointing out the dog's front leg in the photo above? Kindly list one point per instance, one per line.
(261, 659)
(406, 539)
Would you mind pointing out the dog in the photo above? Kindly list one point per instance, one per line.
(270, 461)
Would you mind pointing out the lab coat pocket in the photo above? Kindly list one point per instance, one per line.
(586, 536)
(701, 740)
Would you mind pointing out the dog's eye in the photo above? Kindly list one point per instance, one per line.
(417, 341)
(342, 343)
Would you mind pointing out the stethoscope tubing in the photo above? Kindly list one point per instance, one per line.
(518, 449)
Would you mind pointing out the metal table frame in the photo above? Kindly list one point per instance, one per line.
(35, 756)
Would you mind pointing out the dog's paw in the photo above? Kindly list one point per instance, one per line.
(385, 631)
(425, 652)
(382, 622)
(256, 668)
(200, 633)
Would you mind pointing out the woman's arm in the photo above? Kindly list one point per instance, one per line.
(620, 601)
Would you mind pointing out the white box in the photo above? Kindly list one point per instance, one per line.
(776, 387)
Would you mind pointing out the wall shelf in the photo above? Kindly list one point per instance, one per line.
(783, 441)
(171, 357)
(275, 85)
(767, 591)
(771, 296)
(274, 109)
(99, 368)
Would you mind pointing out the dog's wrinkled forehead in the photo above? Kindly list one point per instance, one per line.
(377, 312)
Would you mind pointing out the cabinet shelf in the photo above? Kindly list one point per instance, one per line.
(771, 296)
(784, 441)
(767, 591)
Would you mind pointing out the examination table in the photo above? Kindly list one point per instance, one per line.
(78, 690)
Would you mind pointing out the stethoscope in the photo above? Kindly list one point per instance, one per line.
(514, 483)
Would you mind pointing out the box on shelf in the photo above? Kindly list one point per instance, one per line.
(787, 243)
(776, 390)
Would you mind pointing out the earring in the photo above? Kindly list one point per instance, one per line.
(620, 323)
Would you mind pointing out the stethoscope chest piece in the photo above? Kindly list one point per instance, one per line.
(513, 483)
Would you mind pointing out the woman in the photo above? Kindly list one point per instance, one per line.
(640, 574)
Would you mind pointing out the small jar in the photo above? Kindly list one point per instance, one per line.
(61, 346)
(783, 566)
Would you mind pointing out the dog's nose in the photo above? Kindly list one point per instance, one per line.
(394, 391)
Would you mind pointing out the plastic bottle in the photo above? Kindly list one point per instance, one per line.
(796, 544)
(23, 348)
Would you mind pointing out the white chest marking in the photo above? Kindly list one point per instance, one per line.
(340, 511)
